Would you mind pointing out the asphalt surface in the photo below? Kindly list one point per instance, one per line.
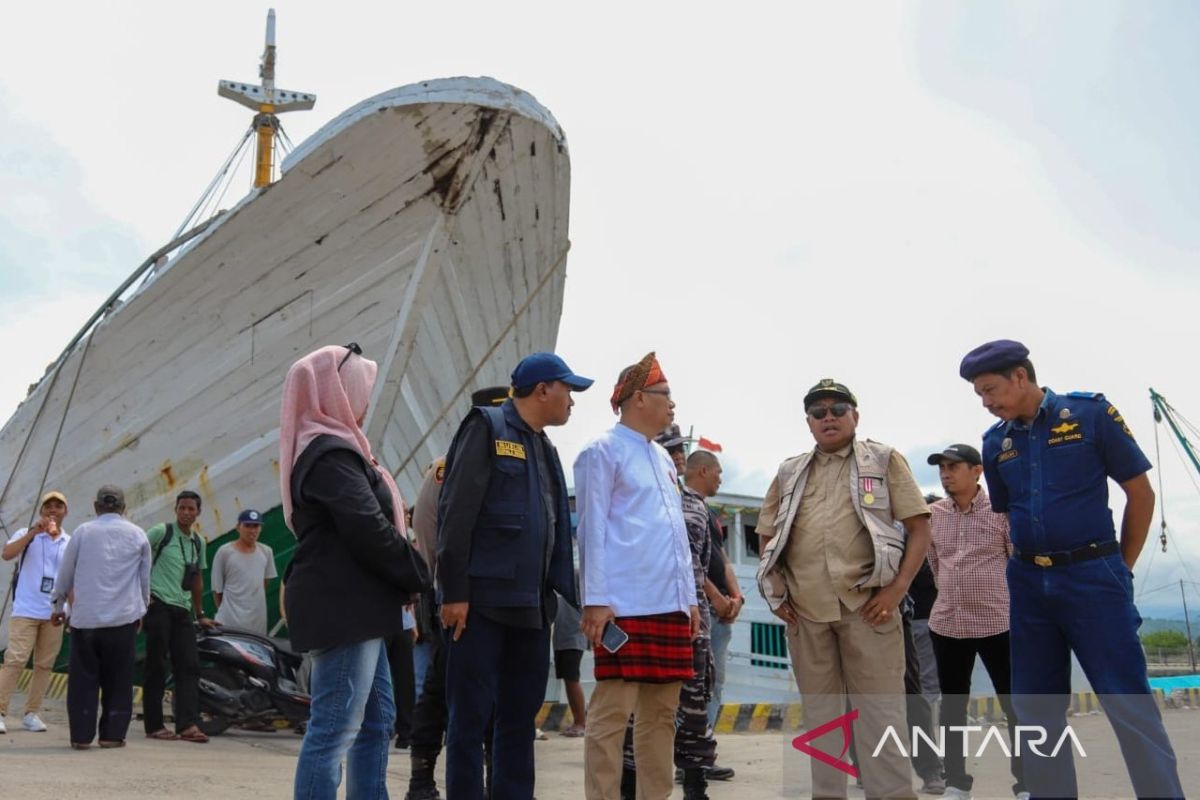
(242, 764)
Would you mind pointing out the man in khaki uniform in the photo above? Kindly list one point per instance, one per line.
(835, 568)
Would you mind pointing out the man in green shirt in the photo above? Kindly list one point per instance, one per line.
(176, 594)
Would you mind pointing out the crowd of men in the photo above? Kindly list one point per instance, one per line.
(108, 580)
(888, 596)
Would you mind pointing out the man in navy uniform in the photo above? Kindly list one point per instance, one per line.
(504, 548)
(1047, 464)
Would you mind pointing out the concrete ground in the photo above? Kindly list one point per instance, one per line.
(245, 765)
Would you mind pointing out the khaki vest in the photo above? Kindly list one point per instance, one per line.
(869, 492)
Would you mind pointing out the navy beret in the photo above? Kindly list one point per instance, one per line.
(992, 357)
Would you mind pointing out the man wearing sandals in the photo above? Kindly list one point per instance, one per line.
(176, 595)
(107, 566)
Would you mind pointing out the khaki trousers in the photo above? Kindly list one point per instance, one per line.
(653, 706)
(26, 637)
(834, 659)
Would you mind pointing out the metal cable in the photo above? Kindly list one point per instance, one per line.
(50, 458)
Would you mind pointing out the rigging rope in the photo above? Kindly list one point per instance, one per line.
(206, 194)
(50, 458)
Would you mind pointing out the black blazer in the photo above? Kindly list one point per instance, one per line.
(352, 571)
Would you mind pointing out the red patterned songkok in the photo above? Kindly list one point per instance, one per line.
(646, 372)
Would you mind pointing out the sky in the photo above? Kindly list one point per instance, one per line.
(787, 192)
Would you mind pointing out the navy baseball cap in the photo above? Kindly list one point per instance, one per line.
(957, 452)
(994, 356)
(544, 368)
(250, 517)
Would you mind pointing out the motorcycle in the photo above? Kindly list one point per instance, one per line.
(250, 681)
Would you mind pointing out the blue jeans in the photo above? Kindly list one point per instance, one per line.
(352, 716)
(1086, 607)
(721, 633)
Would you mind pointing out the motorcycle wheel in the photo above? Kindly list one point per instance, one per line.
(215, 724)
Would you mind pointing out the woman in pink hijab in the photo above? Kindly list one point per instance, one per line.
(352, 572)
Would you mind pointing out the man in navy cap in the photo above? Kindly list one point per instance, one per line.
(1047, 464)
(241, 571)
(429, 711)
(504, 548)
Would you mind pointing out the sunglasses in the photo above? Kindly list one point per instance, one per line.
(838, 409)
(351, 349)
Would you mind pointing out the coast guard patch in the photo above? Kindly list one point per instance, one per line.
(510, 449)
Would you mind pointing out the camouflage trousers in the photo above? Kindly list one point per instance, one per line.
(695, 745)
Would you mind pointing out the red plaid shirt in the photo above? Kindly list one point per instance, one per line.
(968, 555)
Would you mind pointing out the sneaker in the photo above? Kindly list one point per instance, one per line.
(933, 785)
(3, 728)
(31, 722)
(954, 793)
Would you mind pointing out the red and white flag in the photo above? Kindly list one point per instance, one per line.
(708, 444)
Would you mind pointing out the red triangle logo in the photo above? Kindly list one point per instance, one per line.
(843, 722)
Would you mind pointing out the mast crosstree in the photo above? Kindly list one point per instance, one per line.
(269, 101)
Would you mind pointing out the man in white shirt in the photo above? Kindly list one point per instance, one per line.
(107, 566)
(241, 571)
(40, 548)
(636, 572)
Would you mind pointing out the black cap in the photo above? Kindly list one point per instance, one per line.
(670, 437)
(109, 496)
(828, 387)
(994, 356)
(957, 452)
(491, 396)
(250, 517)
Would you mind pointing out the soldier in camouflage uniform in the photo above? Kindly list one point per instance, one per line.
(695, 746)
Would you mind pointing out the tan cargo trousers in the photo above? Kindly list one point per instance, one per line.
(848, 657)
(26, 637)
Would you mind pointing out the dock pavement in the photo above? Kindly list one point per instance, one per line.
(243, 764)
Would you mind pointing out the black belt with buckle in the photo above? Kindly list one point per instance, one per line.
(1094, 550)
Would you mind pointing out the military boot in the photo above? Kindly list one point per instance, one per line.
(694, 784)
(422, 785)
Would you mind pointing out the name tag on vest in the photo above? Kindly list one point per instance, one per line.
(512, 449)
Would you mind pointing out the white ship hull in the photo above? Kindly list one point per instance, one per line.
(428, 224)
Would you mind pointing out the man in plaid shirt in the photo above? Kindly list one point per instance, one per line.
(968, 553)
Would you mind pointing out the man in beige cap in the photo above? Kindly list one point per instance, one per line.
(40, 549)
(835, 566)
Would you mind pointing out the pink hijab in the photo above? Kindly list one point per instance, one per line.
(319, 398)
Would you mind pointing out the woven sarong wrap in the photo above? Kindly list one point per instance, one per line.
(659, 650)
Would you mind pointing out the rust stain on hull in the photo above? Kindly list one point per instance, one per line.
(210, 498)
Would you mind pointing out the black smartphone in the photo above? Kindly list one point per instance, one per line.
(613, 638)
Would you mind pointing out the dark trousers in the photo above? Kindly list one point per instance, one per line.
(101, 674)
(956, 661)
(169, 630)
(400, 662)
(429, 714)
(1086, 608)
(919, 710)
(501, 668)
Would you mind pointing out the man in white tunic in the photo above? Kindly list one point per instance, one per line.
(636, 572)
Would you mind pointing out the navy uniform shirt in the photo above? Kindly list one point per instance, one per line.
(1051, 476)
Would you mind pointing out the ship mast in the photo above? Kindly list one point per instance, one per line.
(269, 102)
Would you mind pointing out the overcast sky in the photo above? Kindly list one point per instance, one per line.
(786, 193)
